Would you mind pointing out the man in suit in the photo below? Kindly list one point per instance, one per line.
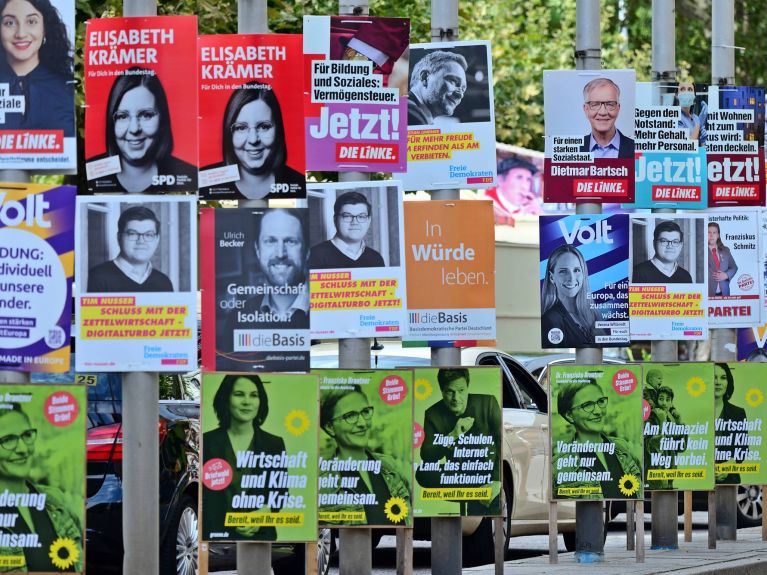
(601, 104)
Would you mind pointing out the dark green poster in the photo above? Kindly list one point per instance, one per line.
(259, 457)
(596, 431)
(366, 447)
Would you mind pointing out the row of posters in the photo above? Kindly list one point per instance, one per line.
(617, 431)
(284, 453)
(609, 279)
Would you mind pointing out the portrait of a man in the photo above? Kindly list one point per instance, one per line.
(437, 86)
(515, 193)
(663, 267)
(602, 106)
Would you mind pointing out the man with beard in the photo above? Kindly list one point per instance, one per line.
(437, 86)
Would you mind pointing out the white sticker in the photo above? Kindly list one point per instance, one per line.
(220, 175)
(103, 167)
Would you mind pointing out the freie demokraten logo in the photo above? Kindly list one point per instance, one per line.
(438, 317)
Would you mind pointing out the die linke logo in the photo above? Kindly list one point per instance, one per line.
(438, 317)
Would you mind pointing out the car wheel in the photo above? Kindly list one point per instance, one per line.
(178, 554)
(325, 549)
(749, 499)
(479, 547)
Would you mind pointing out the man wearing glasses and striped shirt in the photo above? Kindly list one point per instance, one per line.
(601, 104)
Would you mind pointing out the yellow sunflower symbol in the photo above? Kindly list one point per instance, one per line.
(628, 484)
(297, 422)
(696, 386)
(754, 397)
(423, 389)
(64, 553)
(395, 509)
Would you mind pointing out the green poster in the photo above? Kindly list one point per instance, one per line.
(259, 457)
(366, 447)
(458, 439)
(596, 431)
(678, 431)
(42, 478)
(739, 409)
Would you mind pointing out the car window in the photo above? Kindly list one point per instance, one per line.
(533, 396)
(510, 398)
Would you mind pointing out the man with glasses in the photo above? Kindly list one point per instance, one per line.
(347, 248)
(138, 235)
(601, 104)
(437, 86)
(662, 268)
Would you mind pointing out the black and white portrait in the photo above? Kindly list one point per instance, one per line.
(668, 250)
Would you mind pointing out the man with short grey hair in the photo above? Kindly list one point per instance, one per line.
(437, 86)
(601, 104)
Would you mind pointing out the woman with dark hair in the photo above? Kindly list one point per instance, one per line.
(138, 130)
(253, 139)
(241, 407)
(721, 265)
(728, 418)
(567, 320)
(695, 123)
(38, 66)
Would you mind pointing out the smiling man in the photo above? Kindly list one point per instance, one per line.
(601, 105)
(437, 86)
(668, 241)
(138, 235)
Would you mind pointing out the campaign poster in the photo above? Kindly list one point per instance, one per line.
(520, 187)
(454, 263)
(42, 435)
(366, 448)
(584, 280)
(739, 409)
(255, 289)
(136, 289)
(668, 297)
(259, 457)
(450, 117)
(734, 271)
(356, 98)
(140, 104)
(357, 260)
(457, 438)
(251, 103)
(735, 146)
(37, 87)
(752, 343)
(589, 129)
(678, 414)
(670, 124)
(596, 432)
(37, 241)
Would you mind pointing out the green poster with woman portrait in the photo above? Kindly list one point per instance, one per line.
(259, 457)
(678, 414)
(366, 453)
(596, 431)
(42, 478)
(739, 410)
(458, 443)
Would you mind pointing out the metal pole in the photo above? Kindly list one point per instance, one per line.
(723, 340)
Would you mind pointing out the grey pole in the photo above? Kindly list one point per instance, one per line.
(723, 340)
(589, 523)
(664, 531)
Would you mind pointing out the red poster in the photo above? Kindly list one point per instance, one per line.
(251, 112)
(140, 93)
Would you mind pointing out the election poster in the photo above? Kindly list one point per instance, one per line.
(589, 135)
(357, 260)
(735, 146)
(356, 98)
(670, 124)
(37, 87)
(678, 414)
(255, 289)
(450, 117)
(739, 409)
(42, 505)
(140, 104)
(366, 448)
(584, 280)
(36, 267)
(668, 298)
(136, 290)
(259, 457)
(596, 432)
(457, 437)
(251, 102)
(734, 271)
(752, 343)
(454, 263)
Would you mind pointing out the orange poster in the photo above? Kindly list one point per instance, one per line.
(450, 260)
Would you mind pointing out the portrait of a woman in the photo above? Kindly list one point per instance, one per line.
(721, 264)
(138, 130)
(37, 64)
(567, 320)
(241, 407)
(727, 415)
(346, 416)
